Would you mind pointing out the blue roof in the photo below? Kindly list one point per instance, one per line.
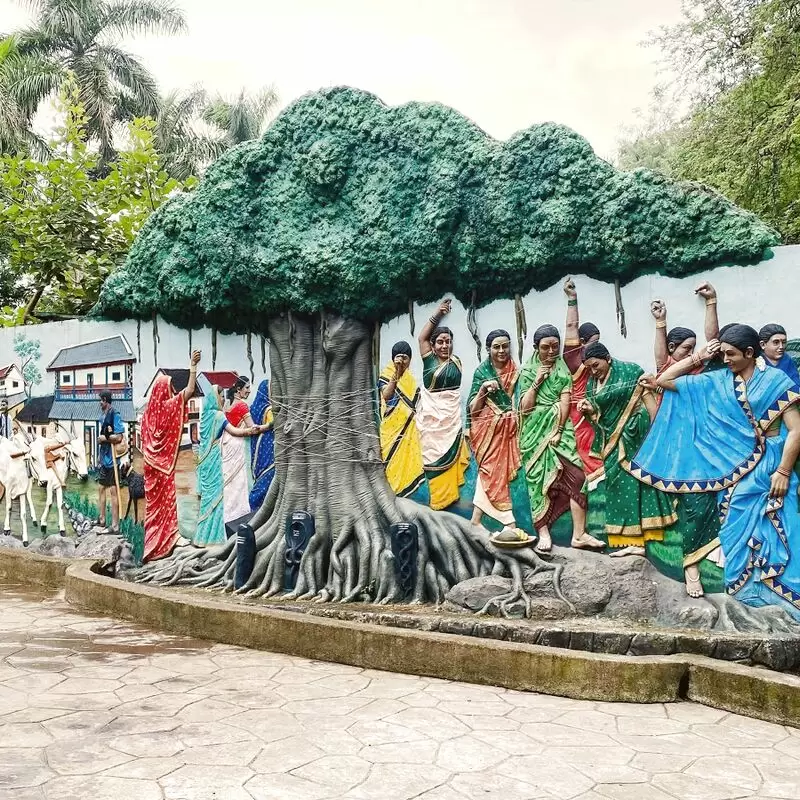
(65, 410)
(113, 350)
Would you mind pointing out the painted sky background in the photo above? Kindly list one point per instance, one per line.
(505, 63)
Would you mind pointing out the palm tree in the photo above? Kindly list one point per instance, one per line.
(245, 117)
(19, 76)
(179, 135)
(80, 37)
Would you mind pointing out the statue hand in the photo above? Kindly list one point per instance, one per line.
(542, 374)
(195, 359)
(444, 308)
(710, 350)
(648, 382)
(778, 485)
(490, 386)
(569, 289)
(706, 290)
(555, 438)
(658, 308)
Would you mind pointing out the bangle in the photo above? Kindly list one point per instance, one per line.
(784, 472)
(572, 301)
(661, 323)
(193, 370)
(560, 429)
(712, 301)
(435, 320)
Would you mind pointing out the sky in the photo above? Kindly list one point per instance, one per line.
(507, 64)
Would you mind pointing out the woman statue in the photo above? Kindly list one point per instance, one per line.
(553, 468)
(236, 453)
(162, 431)
(620, 411)
(262, 447)
(492, 407)
(444, 451)
(698, 518)
(772, 339)
(400, 447)
(210, 475)
(740, 434)
(576, 337)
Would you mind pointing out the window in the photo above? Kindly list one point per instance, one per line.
(90, 380)
(66, 378)
(116, 377)
(44, 431)
(15, 384)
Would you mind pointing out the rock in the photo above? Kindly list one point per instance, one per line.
(106, 547)
(475, 593)
(464, 627)
(554, 637)
(695, 644)
(586, 583)
(634, 593)
(611, 642)
(57, 546)
(781, 654)
(10, 542)
(490, 630)
(731, 649)
(652, 643)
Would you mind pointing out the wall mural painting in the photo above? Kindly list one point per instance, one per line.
(567, 481)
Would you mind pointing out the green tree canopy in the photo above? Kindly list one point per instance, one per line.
(354, 207)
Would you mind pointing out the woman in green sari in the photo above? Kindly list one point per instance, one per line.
(553, 468)
(620, 410)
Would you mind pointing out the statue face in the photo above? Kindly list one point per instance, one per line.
(736, 360)
(244, 392)
(684, 349)
(443, 345)
(598, 367)
(775, 347)
(500, 350)
(548, 349)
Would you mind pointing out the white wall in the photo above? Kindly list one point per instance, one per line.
(756, 295)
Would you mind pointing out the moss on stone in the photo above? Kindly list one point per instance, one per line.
(350, 206)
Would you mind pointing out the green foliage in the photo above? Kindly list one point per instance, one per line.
(740, 61)
(28, 352)
(64, 225)
(80, 40)
(350, 206)
(131, 531)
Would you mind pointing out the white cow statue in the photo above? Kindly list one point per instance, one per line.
(51, 460)
(16, 482)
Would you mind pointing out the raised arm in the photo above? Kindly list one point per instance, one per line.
(658, 308)
(711, 325)
(424, 338)
(667, 378)
(189, 389)
(573, 320)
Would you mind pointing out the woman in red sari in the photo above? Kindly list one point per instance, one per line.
(162, 431)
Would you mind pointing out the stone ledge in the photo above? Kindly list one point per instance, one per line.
(22, 567)
(745, 690)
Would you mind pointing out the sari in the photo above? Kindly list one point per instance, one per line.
(210, 522)
(726, 420)
(444, 451)
(400, 447)
(262, 447)
(162, 431)
(493, 436)
(236, 465)
(584, 432)
(553, 472)
(786, 365)
(635, 513)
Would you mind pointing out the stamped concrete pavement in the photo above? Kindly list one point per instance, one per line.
(97, 708)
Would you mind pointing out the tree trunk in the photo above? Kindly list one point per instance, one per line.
(328, 462)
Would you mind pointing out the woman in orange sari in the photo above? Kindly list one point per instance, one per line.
(162, 430)
(492, 406)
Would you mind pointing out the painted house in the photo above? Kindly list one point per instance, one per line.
(80, 373)
(12, 396)
(34, 416)
(180, 379)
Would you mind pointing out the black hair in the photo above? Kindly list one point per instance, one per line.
(545, 332)
(741, 337)
(596, 350)
(241, 382)
(768, 331)
(401, 349)
(677, 336)
(436, 332)
(496, 334)
(106, 396)
(587, 330)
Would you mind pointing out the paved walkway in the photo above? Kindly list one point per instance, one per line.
(93, 708)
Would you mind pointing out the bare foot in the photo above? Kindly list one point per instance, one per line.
(545, 543)
(182, 542)
(587, 542)
(630, 550)
(693, 586)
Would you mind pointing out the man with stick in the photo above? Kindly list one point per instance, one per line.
(111, 433)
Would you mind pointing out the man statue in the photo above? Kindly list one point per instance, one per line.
(111, 433)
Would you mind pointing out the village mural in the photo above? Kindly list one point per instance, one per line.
(505, 366)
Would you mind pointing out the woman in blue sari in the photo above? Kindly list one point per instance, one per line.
(262, 447)
(745, 430)
(773, 341)
(210, 482)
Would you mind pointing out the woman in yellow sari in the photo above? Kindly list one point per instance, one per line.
(400, 448)
(441, 428)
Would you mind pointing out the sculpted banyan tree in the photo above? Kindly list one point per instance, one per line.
(339, 217)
